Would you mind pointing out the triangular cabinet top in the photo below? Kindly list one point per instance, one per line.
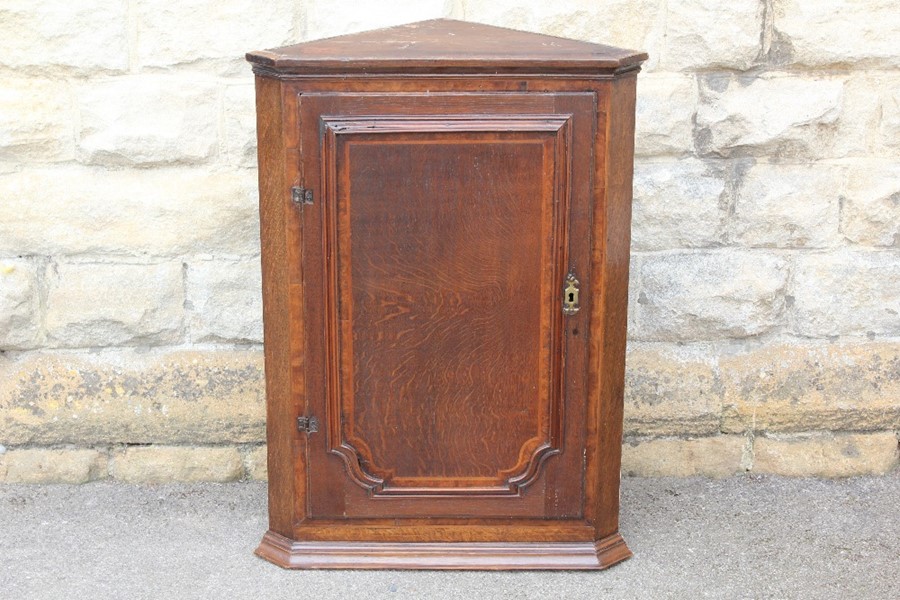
(445, 46)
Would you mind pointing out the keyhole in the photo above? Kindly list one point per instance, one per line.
(571, 297)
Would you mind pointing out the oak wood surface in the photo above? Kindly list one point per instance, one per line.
(416, 305)
(449, 46)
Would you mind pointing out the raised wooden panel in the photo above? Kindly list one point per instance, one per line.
(444, 352)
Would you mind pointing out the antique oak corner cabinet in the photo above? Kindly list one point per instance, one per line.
(445, 214)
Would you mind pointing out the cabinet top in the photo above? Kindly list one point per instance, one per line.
(445, 46)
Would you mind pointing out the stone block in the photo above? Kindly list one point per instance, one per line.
(214, 34)
(870, 213)
(710, 295)
(788, 206)
(638, 24)
(147, 120)
(225, 300)
(836, 32)
(768, 115)
(826, 454)
(255, 463)
(125, 396)
(41, 465)
(804, 386)
(671, 390)
(703, 34)
(678, 204)
(159, 212)
(847, 293)
(717, 456)
(84, 36)
(35, 120)
(100, 304)
(19, 305)
(666, 104)
(164, 464)
(328, 19)
(240, 125)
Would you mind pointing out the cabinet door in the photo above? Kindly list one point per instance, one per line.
(445, 376)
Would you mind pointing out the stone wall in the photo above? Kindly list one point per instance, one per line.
(765, 290)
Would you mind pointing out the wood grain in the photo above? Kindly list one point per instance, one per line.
(415, 306)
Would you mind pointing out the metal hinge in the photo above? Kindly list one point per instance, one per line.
(301, 195)
(307, 424)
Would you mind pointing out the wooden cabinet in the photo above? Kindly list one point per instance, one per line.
(445, 214)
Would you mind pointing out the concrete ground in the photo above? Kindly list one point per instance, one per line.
(745, 537)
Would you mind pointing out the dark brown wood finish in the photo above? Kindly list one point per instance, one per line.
(415, 307)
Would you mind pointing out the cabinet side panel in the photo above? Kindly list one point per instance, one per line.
(276, 307)
(611, 252)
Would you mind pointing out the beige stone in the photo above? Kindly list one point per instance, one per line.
(225, 299)
(769, 115)
(337, 17)
(163, 464)
(147, 120)
(788, 206)
(86, 36)
(889, 123)
(870, 213)
(19, 304)
(712, 34)
(671, 390)
(804, 386)
(255, 463)
(836, 32)
(98, 304)
(239, 125)
(826, 454)
(717, 456)
(678, 204)
(637, 24)
(159, 212)
(710, 295)
(212, 34)
(128, 396)
(36, 120)
(666, 104)
(40, 465)
(847, 293)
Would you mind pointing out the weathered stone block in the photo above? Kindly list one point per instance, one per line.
(240, 125)
(666, 104)
(826, 454)
(40, 465)
(710, 295)
(35, 120)
(788, 206)
(225, 299)
(94, 305)
(85, 35)
(160, 212)
(847, 293)
(768, 115)
(327, 19)
(679, 204)
(671, 390)
(19, 305)
(147, 120)
(709, 33)
(836, 32)
(126, 396)
(163, 464)
(870, 212)
(213, 33)
(812, 386)
(638, 24)
(889, 123)
(255, 464)
(718, 456)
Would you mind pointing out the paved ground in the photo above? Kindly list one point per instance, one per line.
(745, 537)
